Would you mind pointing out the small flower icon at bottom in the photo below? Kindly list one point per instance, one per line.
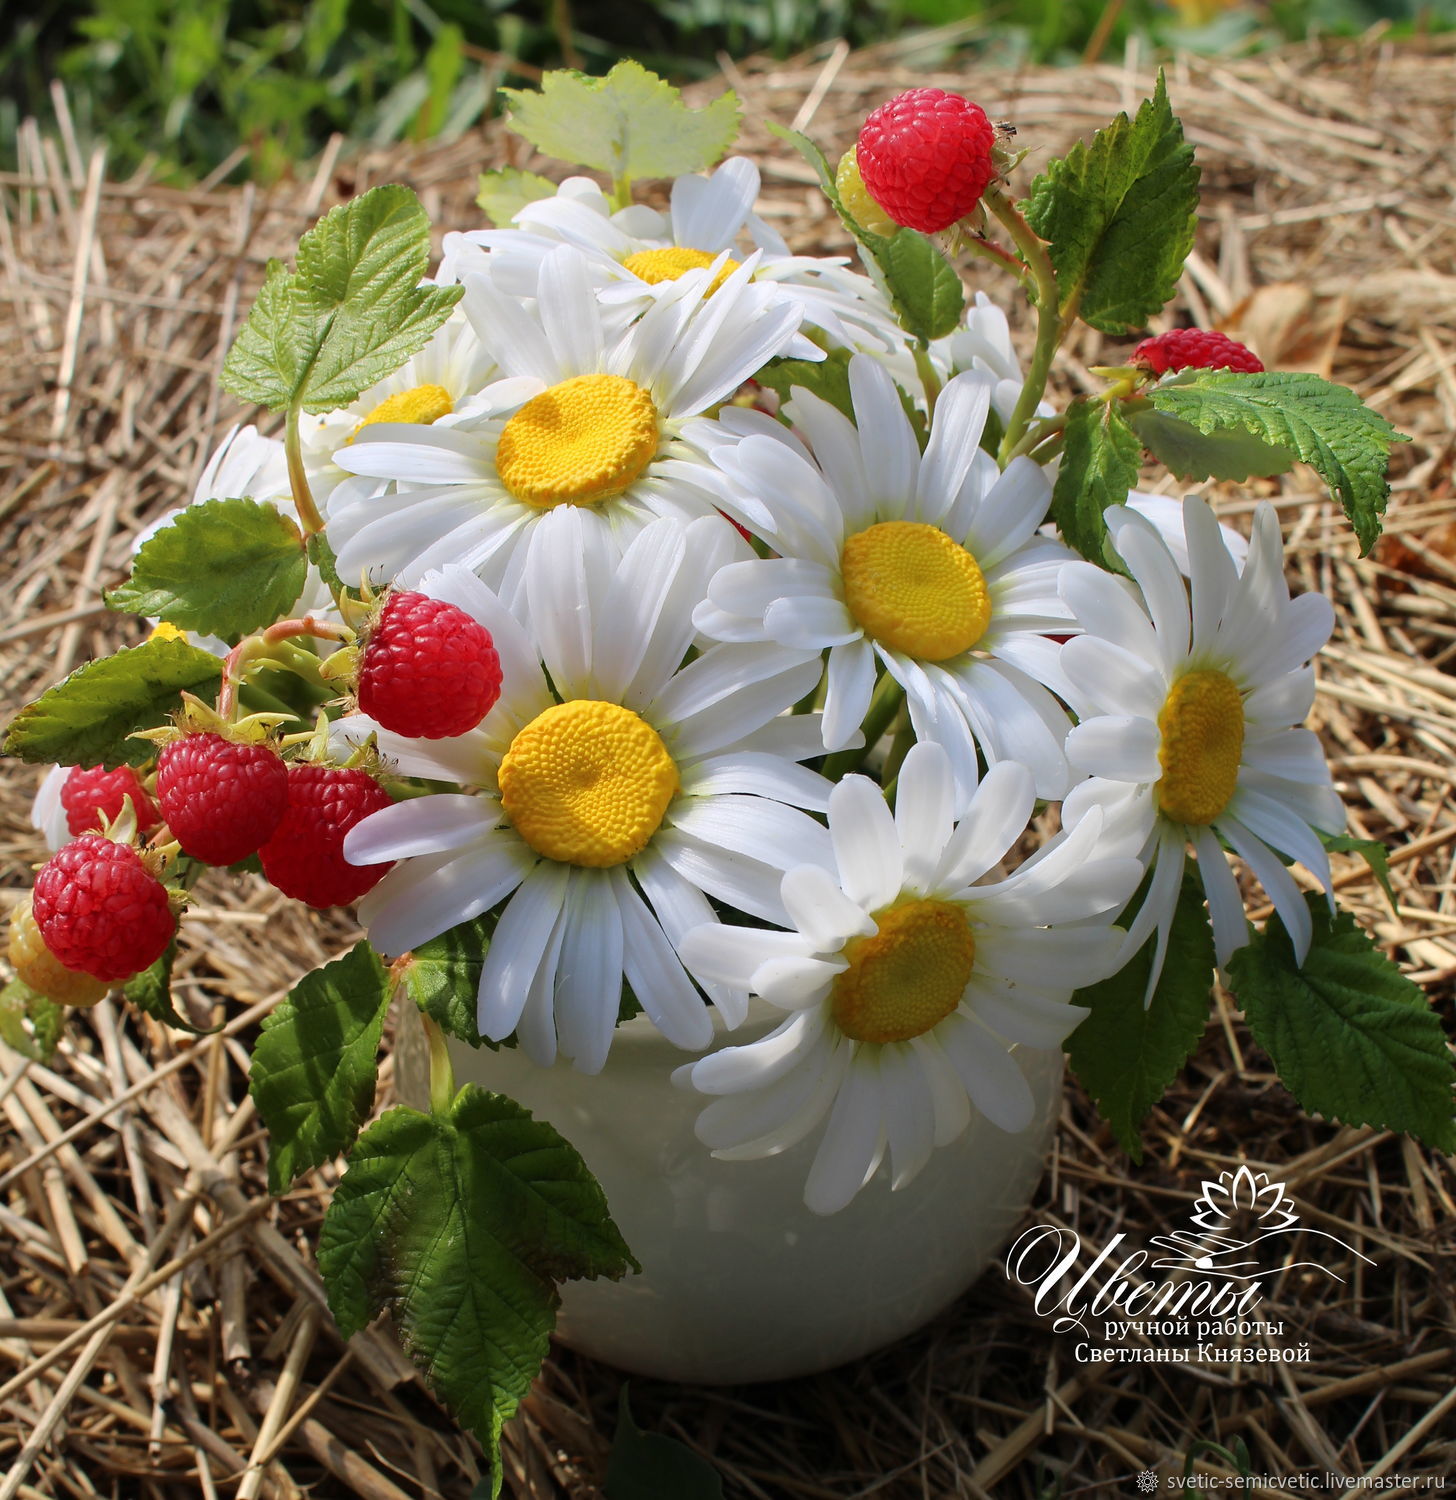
(1147, 1481)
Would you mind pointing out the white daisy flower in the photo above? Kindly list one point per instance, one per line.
(638, 251)
(441, 384)
(605, 802)
(1190, 725)
(586, 427)
(983, 344)
(930, 563)
(905, 982)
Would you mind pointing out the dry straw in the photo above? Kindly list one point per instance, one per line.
(161, 1329)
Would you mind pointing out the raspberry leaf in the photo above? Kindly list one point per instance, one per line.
(443, 975)
(316, 1063)
(1352, 1038)
(460, 1224)
(827, 378)
(1372, 851)
(629, 124)
(926, 292)
(505, 191)
(1099, 466)
(352, 312)
(1326, 425)
(224, 568)
(88, 719)
(29, 1023)
(648, 1465)
(1125, 1053)
(151, 991)
(1226, 453)
(1119, 216)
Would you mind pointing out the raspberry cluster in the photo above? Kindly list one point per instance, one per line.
(1195, 349)
(925, 158)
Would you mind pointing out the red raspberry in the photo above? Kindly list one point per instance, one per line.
(305, 857)
(90, 793)
(1195, 349)
(101, 911)
(221, 799)
(429, 670)
(925, 158)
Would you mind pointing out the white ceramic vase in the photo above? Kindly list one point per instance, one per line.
(740, 1281)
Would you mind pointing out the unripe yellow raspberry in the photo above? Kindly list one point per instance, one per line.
(855, 197)
(38, 967)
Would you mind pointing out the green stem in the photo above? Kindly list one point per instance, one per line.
(1038, 433)
(929, 376)
(308, 513)
(1049, 324)
(885, 704)
(442, 1075)
(621, 193)
(899, 748)
(990, 250)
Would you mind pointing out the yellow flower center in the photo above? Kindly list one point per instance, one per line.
(587, 783)
(578, 443)
(914, 589)
(422, 403)
(163, 631)
(908, 977)
(1202, 725)
(654, 266)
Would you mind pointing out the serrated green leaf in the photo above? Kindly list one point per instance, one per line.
(924, 287)
(460, 1225)
(1119, 217)
(505, 191)
(325, 561)
(827, 378)
(30, 1024)
(1372, 851)
(629, 124)
(1352, 1038)
(352, 312)
(442, 977)
(1125, 1053)
(1099, 466)
(223, 568)
(1326, 425)
(1228, 453)
(151, 991)
(316, 1063)
(87, 719)
(649, 1466)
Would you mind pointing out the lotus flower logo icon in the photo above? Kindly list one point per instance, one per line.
(1242, 1195)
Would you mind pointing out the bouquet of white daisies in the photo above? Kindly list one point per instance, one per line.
(638, 617)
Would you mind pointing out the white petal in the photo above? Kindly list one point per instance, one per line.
(1225, 905)
(866, 846)
(891, 455)
(821, 911)
(736, 1069)
(1121, 748)
(657, 977)
(517, 948)
(421, 825)
(996, 818)
(853, 1140)
(589, 971)
(1024, 1016)
(850, 686)
(955, 436)
(909, 1113)
(925, 806)
(1276, 880)
(990, 1073)
(732, 954)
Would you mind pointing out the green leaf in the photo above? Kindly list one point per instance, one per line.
(324, 559)
(224, 568)
(827, 378)
(87, 719)
(1228, 453)
(151, 991)
(316, 1063)
(29, 1023)
(1324, 424)
(460, 1225)
(1352, 1037)
(648, 1466)
(351, 314)
(442, 977)
(629, 124)
(924, 287)
(927, 293)
(1125, 1053)
(1372, 851)
(505, 191)
(1099, 466)
(1119, 216)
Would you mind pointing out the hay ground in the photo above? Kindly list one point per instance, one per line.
(161, 1332)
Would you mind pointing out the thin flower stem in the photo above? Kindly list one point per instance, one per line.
(1049, 324)
(442, 1075)
(1039, 432)
(308, 513)
(929, 376)
(255, 650)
